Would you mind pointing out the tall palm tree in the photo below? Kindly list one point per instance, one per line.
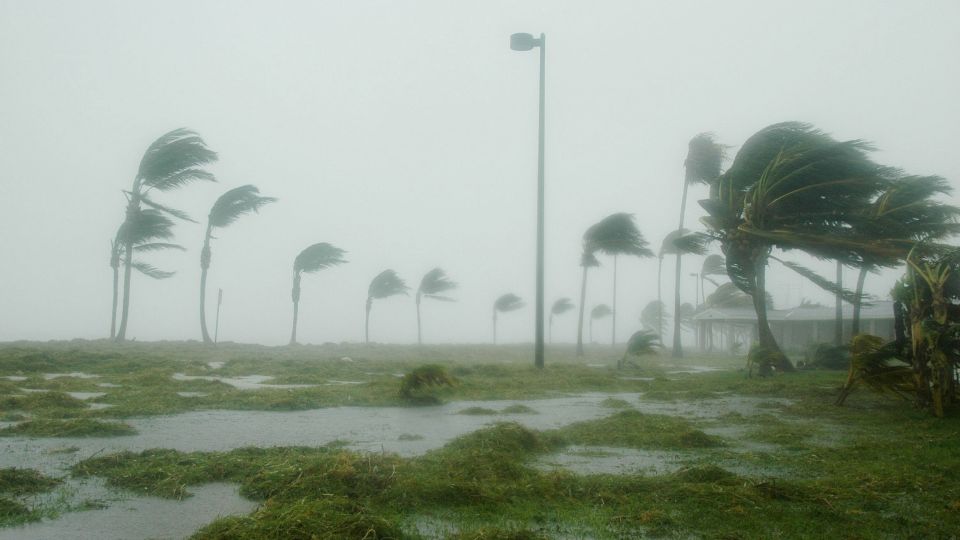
(384, 285)
(599, 311)
(226, 210)
(793, 187)
(587, 260)
(667, 247)
(702, 166)
(505, 303)
(310, 260)
(146, 231)
(560, 307)
(615, 235)
(172, 161)
(433, 285)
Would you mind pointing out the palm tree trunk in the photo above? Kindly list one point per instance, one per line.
(838, 323)
(613, 338)
(366, 327)
(419, 337)
(764, 334)
(116, 290)
(204, 265)
(583, 299)
(858, 301)
(132, 208)
(295, 295)
(677, 346)
(659, 300)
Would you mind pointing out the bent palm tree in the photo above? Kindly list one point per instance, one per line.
(793, 187)
(172, 161)
(702, 166)
(641, 343)
(505, 303)
(713, 265)
(560, 307)
(599, 311)
(652, 315)
(433, 285)
(615, 235)
(587, 260)
(310, 260)
(384, 285)
(143, 231)
(226, 210)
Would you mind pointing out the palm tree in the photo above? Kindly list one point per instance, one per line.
(793, 187)
(615, 235)
(668, 246)
(226, 210)
(652, 315)
(587, 260)
(310, 260)
(599, 311)
(144, 230)
(172, 161)
(433, 285)
(702, 166)
(906, 209)
(384, 285)
(713, 265)
(505, 303)
(560, 307)
(641, 343)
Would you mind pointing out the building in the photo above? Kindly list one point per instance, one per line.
(794, 328)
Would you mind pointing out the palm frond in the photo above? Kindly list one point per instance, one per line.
(589, 260)
(436, 282)
(179, 214)
(616, 234)
(704, 159)
(157, 246)
(440, 297)
(600, 311)
(643, 343)
(174, 159)
(145, 226)
(822, 282)
(150, 270)
(508, 302)
(235, 203)
(650, 316)
(561, 306)
(386, 284)
(714, 265)
(317, 257)
(728, 296)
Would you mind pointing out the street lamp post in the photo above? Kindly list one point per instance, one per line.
(525, 42)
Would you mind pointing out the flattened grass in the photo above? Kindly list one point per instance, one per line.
(74, 427)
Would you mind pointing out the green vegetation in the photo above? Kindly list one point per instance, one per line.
(73, 427)
(15, 484)
(633, 429)
(421, 384)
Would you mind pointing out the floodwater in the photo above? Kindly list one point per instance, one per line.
(407, 431)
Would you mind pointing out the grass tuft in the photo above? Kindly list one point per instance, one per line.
(76, 427)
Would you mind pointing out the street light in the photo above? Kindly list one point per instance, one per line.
(525, 42)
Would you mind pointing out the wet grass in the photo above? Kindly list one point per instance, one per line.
(873, 469)
(75, 427)
(16, 485)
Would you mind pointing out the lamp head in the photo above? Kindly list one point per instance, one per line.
(523, 42)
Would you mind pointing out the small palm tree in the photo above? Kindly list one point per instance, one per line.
(144, 230)
(713, 265)
(615, 235)
(599, 311)
(506, 303)
(172, 161)
(384, 285)
(641, 343)
(652, 315)
(310, 260)
(587, 260)
(433, 285)
(560, 307)
(226, 210)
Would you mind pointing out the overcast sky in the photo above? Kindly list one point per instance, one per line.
(406, 134)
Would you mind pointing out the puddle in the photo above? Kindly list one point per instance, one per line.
(215, 365)
(647, 379)
(14, 378)
(335, 382)
(696, 369)
(192, 394)
(85, 395)
(33, 390)
(244, 382)
(607, 460)
(109, 385)
(130, 517)
(75, 374)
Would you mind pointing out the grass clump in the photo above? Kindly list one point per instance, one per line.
(18, 482)
(615, 403)
(420, 385)
(477, 411)
(47, 403)
(518, 408)
(74, 427)
(633, 429)
(14, 513)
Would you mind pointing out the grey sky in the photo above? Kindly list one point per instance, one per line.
(405, 133)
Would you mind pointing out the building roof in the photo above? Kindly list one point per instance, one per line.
(880, 310)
